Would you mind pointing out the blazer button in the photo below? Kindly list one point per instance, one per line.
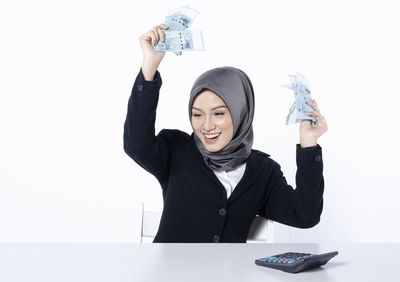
(140, 87)
(222, 212)
(216, 238)
(318, 158)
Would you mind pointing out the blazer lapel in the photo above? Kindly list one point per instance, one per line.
(253, 169)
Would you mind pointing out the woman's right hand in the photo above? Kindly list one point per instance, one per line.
(151, 57)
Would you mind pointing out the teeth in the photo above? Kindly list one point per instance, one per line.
(212, 135)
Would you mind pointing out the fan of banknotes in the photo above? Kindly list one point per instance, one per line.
(301, 89)
(178, 37)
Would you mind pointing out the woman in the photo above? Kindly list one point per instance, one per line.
(213, 182)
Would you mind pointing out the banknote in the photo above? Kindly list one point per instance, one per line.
(181, 40)
(180, 18)
(178, 37)
(302, 94)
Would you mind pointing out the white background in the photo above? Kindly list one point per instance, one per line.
(67, 69)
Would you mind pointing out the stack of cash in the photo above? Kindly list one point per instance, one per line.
(301, 89)
(178, 37)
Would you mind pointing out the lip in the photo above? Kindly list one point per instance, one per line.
(211, 141)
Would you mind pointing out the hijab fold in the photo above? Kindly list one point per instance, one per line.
(234, 87)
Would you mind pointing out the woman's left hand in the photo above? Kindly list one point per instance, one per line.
(309, 133)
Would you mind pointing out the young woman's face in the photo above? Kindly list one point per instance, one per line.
(211, 121)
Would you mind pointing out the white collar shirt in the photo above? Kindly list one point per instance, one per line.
(231, 178)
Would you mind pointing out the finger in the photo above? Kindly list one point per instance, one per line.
(146, 37)
(160, 33)
(315, 105)
(312, 114)
(156, 33)
(311, 104)
(318, 116)
(316, 109)
(321, 121)
(163, 26)
(153, 36)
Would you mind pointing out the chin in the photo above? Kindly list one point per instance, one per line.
(212, 150)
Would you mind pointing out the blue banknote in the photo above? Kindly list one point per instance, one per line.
(178, 37)
(302, 94)
(181, 40)
(180, 18)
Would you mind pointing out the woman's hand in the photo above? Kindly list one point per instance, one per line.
(151, 57)
(309, 133)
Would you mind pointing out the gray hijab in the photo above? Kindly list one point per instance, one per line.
(234, 87)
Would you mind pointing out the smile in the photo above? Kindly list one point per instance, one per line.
(211, 138)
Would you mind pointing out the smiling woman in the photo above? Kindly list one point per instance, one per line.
(214, 184)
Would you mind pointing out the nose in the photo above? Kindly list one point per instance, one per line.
(208, 124)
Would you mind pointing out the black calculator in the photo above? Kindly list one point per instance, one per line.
(295, 262)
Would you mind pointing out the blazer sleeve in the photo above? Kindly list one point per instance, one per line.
(300, 207)
(149, 151)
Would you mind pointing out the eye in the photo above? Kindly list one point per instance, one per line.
(219, 114)
(196, 115)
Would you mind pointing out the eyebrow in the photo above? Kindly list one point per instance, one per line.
(211, 109)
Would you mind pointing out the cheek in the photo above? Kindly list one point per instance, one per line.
(195, 125)
(227, 125)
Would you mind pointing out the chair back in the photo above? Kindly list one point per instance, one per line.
(261, 230)
(150, 220)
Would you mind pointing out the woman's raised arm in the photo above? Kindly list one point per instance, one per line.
(140, 143)
(152, 58)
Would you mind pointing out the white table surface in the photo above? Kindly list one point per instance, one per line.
(114, 262)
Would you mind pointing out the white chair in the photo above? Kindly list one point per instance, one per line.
(149, 222)
(261, 230)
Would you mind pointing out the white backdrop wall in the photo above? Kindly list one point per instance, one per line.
(67, 69)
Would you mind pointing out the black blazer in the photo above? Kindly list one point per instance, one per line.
(196, 208)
